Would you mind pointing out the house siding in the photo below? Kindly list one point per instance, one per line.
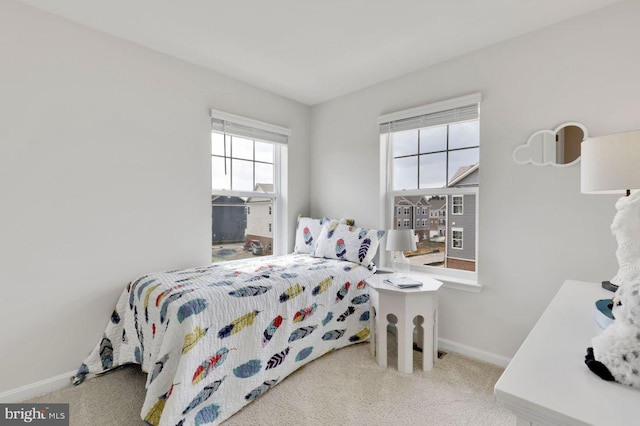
(466, 221)
(228, 220)
(258, 219)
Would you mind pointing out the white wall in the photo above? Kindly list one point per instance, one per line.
(536, 229)
(104, 176)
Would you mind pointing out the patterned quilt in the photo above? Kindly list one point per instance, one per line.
(212, 339)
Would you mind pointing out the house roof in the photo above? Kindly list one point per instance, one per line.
(414, 200)
(462, 173)
(437, 203)
(264, 187)
(261, 187)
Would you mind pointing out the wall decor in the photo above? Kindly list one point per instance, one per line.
(559, 147)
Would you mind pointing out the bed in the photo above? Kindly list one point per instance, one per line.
(212, 339)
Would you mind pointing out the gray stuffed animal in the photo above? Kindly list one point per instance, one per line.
(615, 355)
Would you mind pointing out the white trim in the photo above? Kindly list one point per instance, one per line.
(242, 194)
(238, 119)
(458, 284)
(434, 191)
(479, 354)
(461, 101)
(455, 279)
(36, 389)
(280, 209)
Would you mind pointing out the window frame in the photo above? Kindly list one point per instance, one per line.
(460, 279)
(279, 136)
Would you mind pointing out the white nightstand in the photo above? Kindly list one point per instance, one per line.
(405, 304)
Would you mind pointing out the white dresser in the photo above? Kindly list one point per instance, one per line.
(548, 383)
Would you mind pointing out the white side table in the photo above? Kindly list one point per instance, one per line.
(405, 304)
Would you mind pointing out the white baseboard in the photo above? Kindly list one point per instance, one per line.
(36, 389)
(479, 354)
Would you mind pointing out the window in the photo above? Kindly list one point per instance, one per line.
(456, 238)
(433, 160)
(457, 204)
(246, 196)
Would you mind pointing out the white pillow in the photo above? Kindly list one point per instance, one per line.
(307, 234)
(339, 241)
(308, 231)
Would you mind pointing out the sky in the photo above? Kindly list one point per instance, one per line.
(420, 156)
(248, 162)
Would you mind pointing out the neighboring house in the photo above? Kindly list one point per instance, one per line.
(260, 218)
(421, 217)
(412, 212)
(461, 221)
(437, 217)
(403, 213)
(228, 220)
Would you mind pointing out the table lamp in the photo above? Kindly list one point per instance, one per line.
(399, 241)
(611, 165)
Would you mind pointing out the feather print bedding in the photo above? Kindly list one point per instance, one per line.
(213, 339)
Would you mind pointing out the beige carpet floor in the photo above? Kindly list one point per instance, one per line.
(345, 387)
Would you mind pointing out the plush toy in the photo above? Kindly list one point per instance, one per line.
(615, 355)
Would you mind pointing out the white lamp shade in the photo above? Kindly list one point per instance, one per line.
(611, 164)
(401, 240)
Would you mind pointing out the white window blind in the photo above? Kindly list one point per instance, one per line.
(230, 124)
(454, 110)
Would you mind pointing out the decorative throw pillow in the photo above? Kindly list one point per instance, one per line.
(307, 234)
(339, 241)
(308, 231)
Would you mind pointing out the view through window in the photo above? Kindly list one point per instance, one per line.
(434, 175)
(243, 197)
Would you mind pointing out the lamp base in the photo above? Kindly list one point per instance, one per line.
(608, 285)
(400, 264)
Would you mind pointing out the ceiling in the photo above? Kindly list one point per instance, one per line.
(313, 51)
